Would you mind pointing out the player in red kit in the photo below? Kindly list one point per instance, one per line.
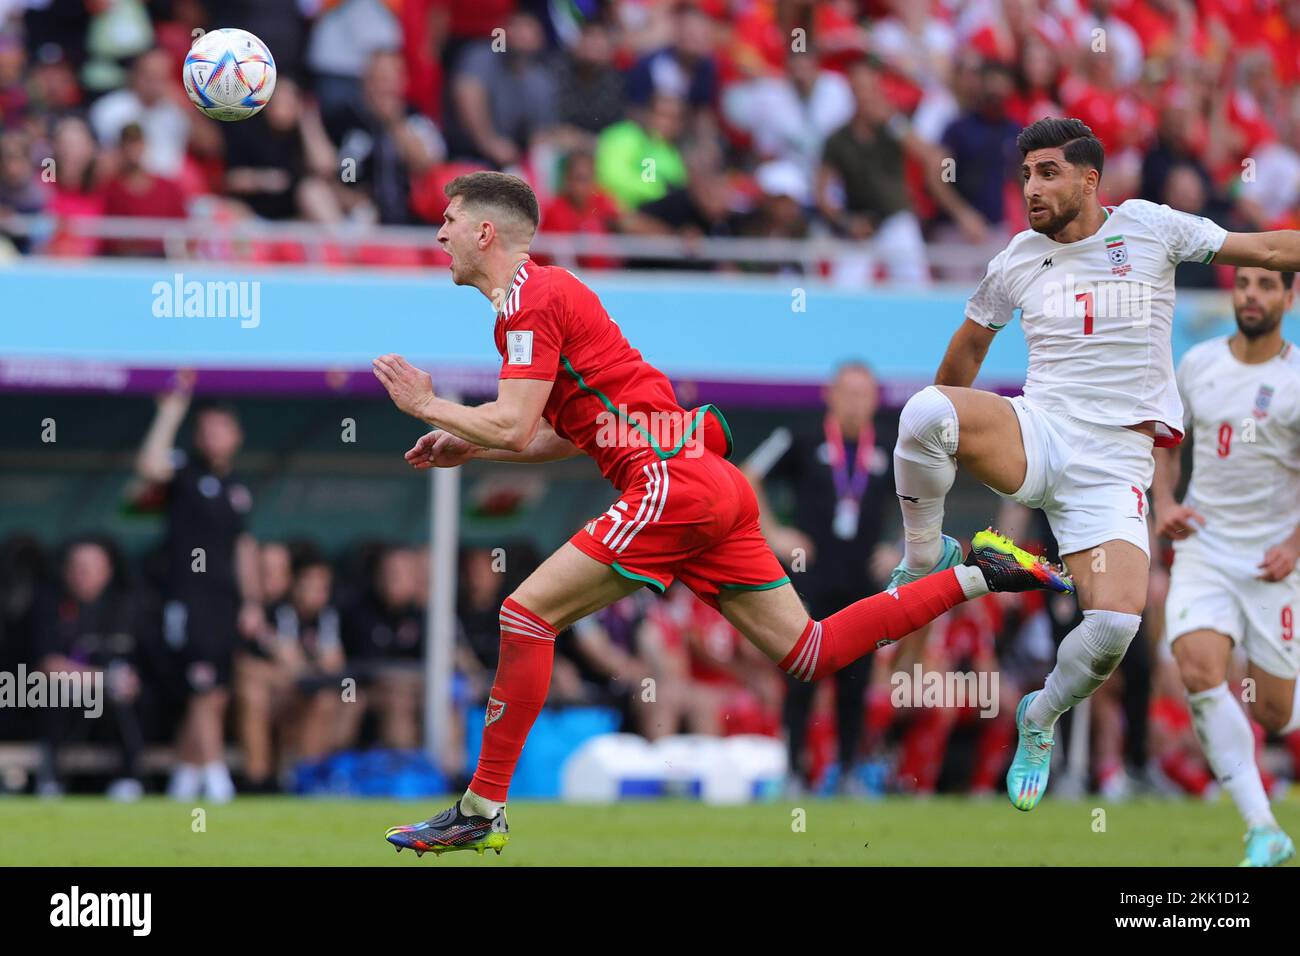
(572, 384)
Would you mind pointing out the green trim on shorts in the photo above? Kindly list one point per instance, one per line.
(633, 576)
(756, 587)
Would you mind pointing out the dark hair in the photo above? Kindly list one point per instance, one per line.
(206, 405)
(500, 190)
(1077, 142)
(1287, 279)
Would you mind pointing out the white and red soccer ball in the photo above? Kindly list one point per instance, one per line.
(229, 74)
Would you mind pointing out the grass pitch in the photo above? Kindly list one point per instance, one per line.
(275, 831)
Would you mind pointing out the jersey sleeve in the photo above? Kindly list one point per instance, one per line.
(1188, 238)
(533, 341)
(991, 305)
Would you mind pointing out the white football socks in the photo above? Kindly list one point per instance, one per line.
(473, 805)
(1088, 655)
(924, 470)
(1229, 745)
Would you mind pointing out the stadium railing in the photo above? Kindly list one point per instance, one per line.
(217, 239)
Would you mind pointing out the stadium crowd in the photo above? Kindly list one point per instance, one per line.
(892, 121)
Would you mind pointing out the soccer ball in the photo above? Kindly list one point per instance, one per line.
(229, 74)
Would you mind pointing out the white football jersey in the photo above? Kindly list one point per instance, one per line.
(1098, 313)
(1245, 427)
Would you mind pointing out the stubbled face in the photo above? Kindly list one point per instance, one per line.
(87, 572)
(460, 237)
(852, 398)
(217, 436)
(1259, 300)
(1055, 191)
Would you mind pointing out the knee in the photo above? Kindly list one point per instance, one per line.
(1107, 635)
(929, 420)
(1200, 670)
(1271, 714)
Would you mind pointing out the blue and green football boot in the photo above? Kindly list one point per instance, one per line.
(1027, 776)
(1267, 846)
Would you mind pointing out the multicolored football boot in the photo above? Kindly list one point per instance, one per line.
(1007, 567)
(452, 830)
(1027, 776)
(1267, 846)
(950, 558)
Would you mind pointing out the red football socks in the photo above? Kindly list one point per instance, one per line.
(522, 680)
(827, 645)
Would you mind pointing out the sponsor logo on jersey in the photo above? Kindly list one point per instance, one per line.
(495, 708)
(1117, 252)
(1263, 399)
(519, 348)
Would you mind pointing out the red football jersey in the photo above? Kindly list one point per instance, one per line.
(607, 399)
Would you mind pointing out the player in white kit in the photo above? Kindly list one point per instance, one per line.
(1095, 289)
(1236, 538)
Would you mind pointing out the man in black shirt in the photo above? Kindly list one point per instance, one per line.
(839, 475)
(211, 586)
(90, 626)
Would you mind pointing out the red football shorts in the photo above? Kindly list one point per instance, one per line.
(692, 518)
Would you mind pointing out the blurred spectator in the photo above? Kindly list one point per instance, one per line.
(1184, 190)
(281, 163)
(149, 103)
(479, 613)
(89, 627)
(1035, 95)
(638, 161)
(382, 142)
(700, 209)
(21, 190)
(790, 116)
(212, 589)
(581, 207)
(134, 191)
(838, 476)
(1180, 141)
(383, 638)
(504, 98)
(610, 645)
(713, 681)
(291, 688)
(982, 144)
(590, 92)
(684, 70)
(1269, 196)
(861, 187)
(13, 89)
(76, 191)
(779, 214)
(344, 44)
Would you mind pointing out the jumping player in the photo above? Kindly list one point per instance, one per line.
(1094, 286)
(1236, 536)
(571, 384)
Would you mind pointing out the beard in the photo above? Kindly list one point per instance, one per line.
(1254, 328)
(1067, 214)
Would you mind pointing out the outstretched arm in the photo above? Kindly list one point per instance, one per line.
(508, 423)
(442, 449)
(1278, 250)
(961, 363)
